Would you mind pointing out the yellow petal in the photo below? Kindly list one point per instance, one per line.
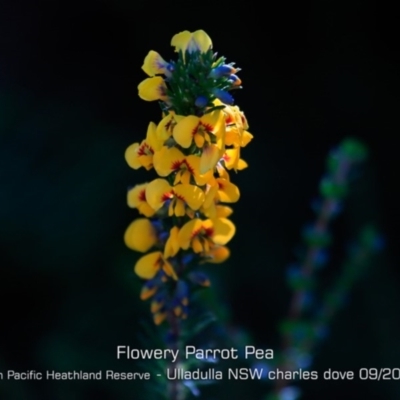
(192, 195)
(179, 209)
(168, 269)
(172, 244)
(227, 191)
(196, 245)
(242, 164)
(218, 254)
(137, 199)
(213, 122)
(157, 192)
(153, 89)
(180, 40)
(185, 178)
(211, 193)
(232, 136)
(185, 129)
(154, 64)
(136, 195)
(187, 232)
(223, 211)
(209, 158)
(147, 266)
(223, 230)
(231, 158)
(202, 41)
(167, 160)
(193, 163)
(131, 156)
(246, 138)
(140, 235)
(151, 137)
(199, 140)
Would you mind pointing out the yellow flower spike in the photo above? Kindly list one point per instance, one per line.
(140, 235)
(169, 160)
(152, 89)
(172, 244)
(227, 191)
(147, 266)
(187, 41)
(137, 199)
(154, 64)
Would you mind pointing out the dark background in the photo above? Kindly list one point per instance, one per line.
(312, 75)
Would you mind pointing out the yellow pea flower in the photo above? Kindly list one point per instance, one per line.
(137, 199)
(208, 133)
(158, 192)
(188, 41)
(148, 266)
(202, 235)
(170, 160)
(141, 155)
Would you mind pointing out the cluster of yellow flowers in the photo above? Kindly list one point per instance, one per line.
(191, 149)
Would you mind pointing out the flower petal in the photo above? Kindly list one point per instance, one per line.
(153, 89)
(223, 230)
(172, 244)
(181, 40)
(154, 64)
(131, 156)
(192, 195)
(187, 232)
(158, 192)
(147, 266)
(140, 235)
(227, 192)
(168, 160)
(218, 254)
(185, 129)
(209, 158)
